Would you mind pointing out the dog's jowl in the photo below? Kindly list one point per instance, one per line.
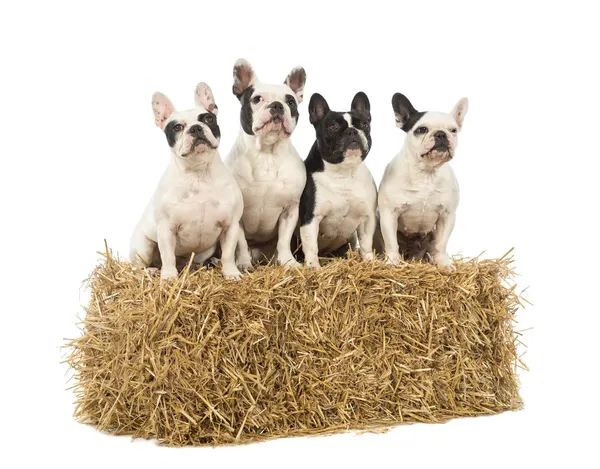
(339, 200)
(418, 195)
(197, 202)
(266, 165)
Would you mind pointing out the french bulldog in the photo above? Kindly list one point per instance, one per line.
(267, 167)
(339, 200)
(418, 194)
(197, 202)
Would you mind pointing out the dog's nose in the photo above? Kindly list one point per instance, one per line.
(195, 130)
(352, 131)
(440, 135)
(276, 108)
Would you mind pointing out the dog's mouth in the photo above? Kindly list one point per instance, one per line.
(274, 123)
(198, 142)
(354, 145)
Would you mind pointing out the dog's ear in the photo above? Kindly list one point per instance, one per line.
(361, 105)
(460, 111)
(243, 77)
(204, 97)
(403, 110)
(317, 108)
(296, 80)
(162, 108)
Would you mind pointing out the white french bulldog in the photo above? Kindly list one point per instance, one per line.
(197, 201)
(418, 194)
(267, 167)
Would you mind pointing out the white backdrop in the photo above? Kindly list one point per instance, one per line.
(81, 156)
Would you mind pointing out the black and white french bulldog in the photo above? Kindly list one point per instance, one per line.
(418, 194)
(197, 202)
(266, 165)
(340, 197)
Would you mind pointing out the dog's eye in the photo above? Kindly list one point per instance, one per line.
(209, 119)
(421, 130)
(334, 127)
(177, 127)
(256, 99)
(364, 125)
(453, 131)
(291, 102)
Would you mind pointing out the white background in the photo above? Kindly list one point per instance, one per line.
(81, 155)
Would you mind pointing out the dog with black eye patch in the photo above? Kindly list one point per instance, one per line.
(340, 197)
(266, 165)
(197, 202)
(418, 194)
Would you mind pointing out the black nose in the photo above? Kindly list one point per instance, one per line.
(440, 135)
(352, 131)
(195, 130)
(276, 108)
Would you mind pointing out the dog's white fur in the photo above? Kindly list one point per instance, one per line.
(419, 192)
(269, 171)
(197, 202)
(345, 206)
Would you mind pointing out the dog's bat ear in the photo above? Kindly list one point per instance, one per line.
(204, 97)
(459, 111)
(403, 110)
(162, 108)
(296, 80)
(361, 104)
(243, 77)
(317, 108)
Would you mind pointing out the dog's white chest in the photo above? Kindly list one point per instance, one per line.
(198, 212)
(342, 203)
(272, 185)
(420, 207)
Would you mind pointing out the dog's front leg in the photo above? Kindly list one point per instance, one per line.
(389, 231)
(229, 239)
(243, 258)
(443, 229)
(366, 231)
(309, 235)
(167, 238)
(287, 224)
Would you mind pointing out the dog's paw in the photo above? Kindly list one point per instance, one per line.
(444, 263)
(246, 267)
(392, 259)
(168, 274)
(232, 273)
(289, 263)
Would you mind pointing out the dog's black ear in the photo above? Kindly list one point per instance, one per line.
(317, 108)
(243, 77)
(403, 110)
(361, 104)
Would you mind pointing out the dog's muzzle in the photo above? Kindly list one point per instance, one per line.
(277, 111)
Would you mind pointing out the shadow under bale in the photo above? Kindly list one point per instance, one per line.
(356, 345)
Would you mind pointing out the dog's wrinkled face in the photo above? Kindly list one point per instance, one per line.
(343, 137)
(432, 136)
(268, 111)
(192, 132)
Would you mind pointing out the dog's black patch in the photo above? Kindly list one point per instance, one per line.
(405, 112)
(171, 133)
(213, 126)
(313, 164)
(412, 120)
(293, 105)
(246, 111)
(416, 246)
